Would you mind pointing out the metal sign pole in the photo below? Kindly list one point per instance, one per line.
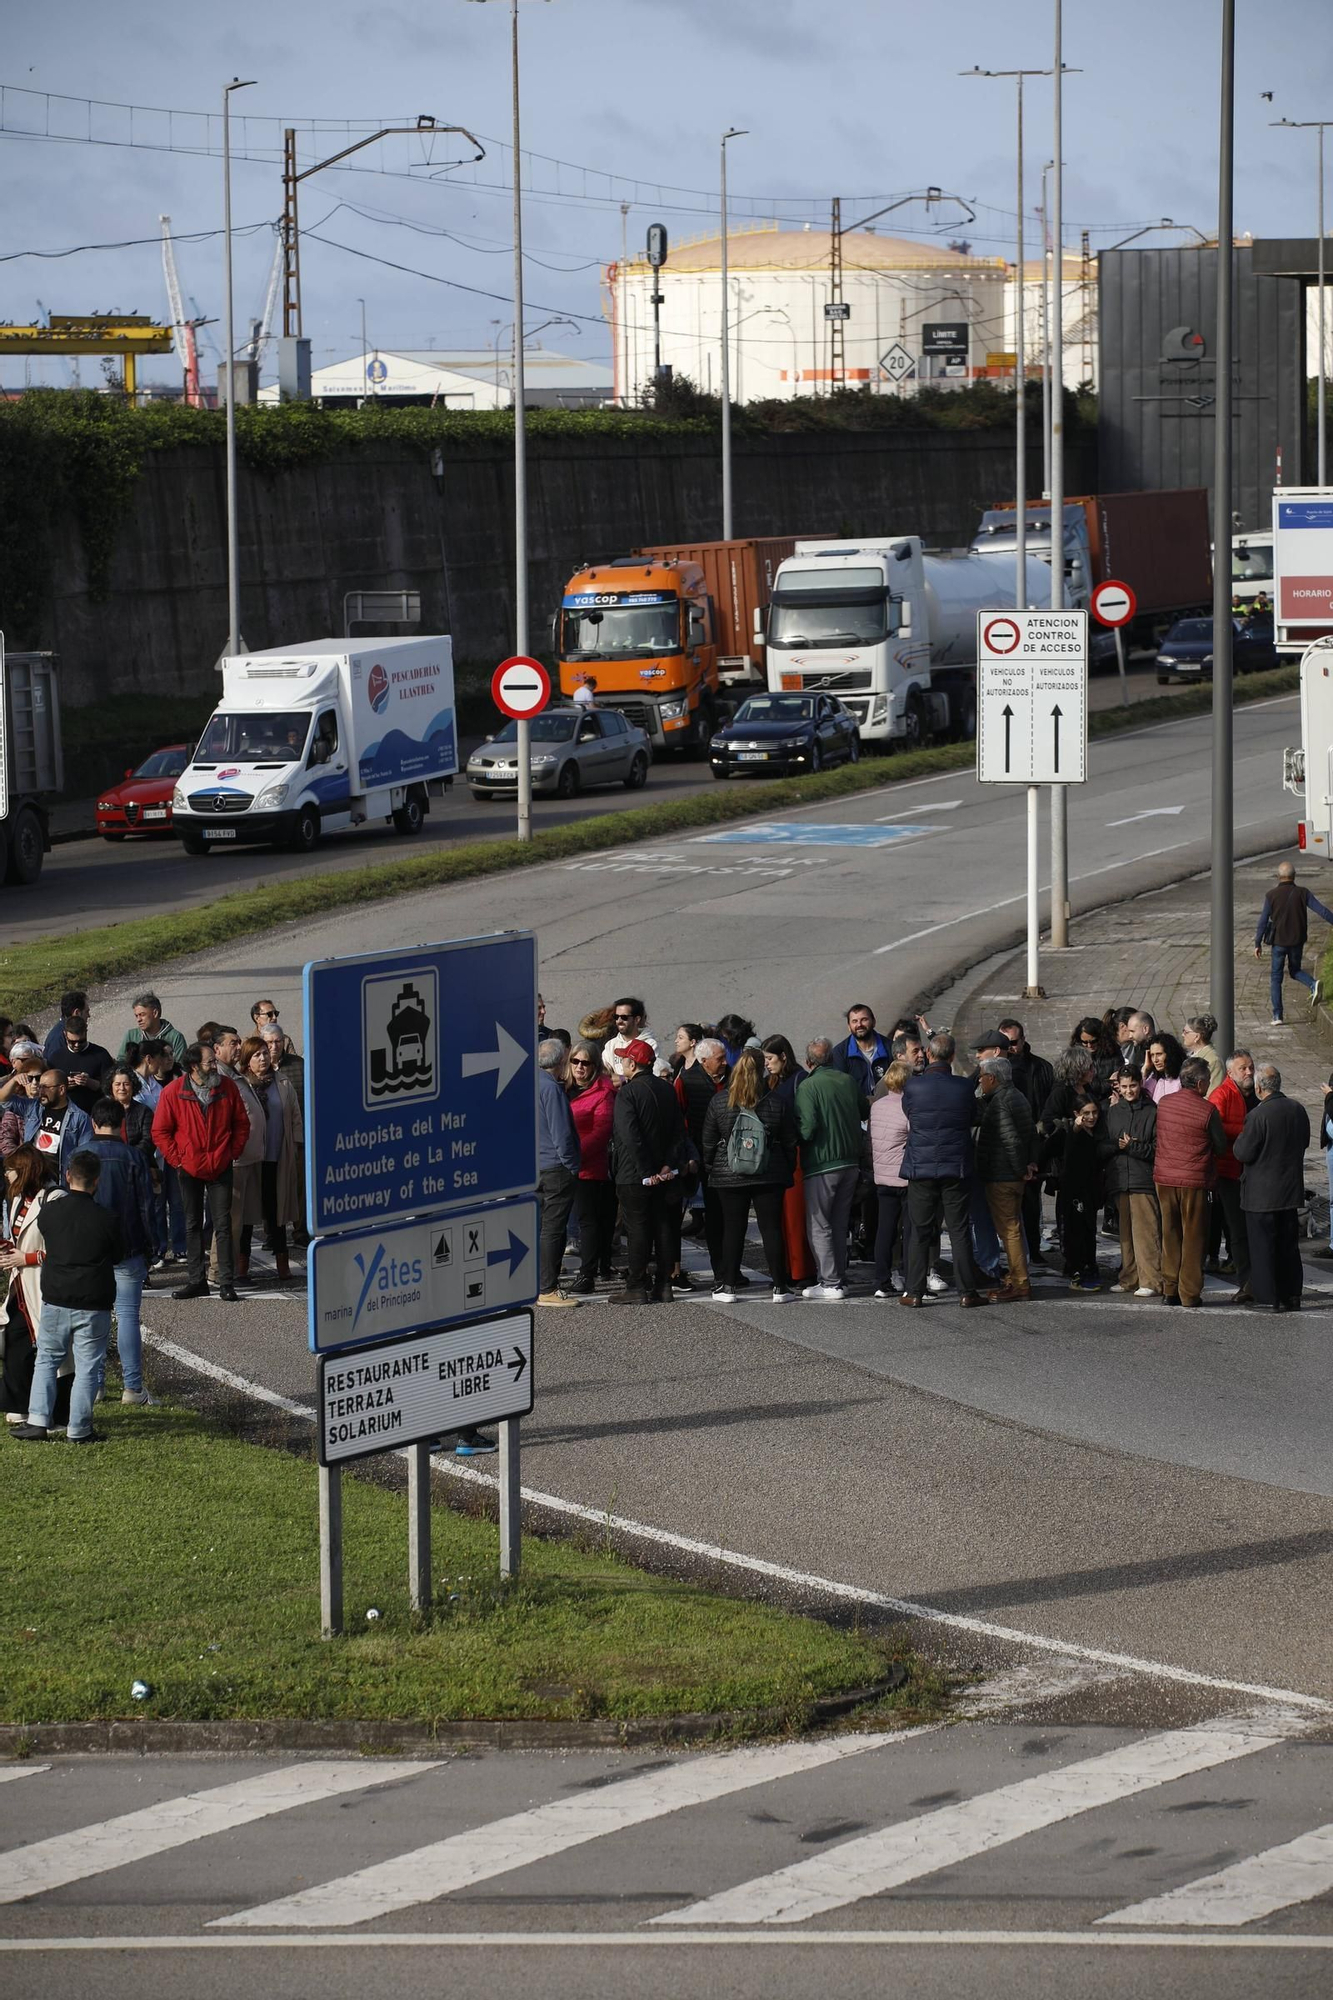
(511, 1528)
(520, 458)
(1120, 664)
(1059, 794)
(418, 1526)
(1034, 989)
(330, 1551)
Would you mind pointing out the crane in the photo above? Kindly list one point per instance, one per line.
(187, 346)
(262, 329)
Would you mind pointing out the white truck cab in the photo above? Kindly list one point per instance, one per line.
(317, 737)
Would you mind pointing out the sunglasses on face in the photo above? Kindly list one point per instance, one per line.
(580, 1062)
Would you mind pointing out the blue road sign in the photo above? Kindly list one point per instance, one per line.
(375, 1284)
(794, 833)
(421, 1080)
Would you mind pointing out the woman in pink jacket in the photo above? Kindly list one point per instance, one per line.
(888, 1143)
(592, 1100)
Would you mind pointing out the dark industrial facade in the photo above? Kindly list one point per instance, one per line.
(1158, 313)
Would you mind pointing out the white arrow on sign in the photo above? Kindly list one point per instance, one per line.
(506, 1059)
(1153, 812)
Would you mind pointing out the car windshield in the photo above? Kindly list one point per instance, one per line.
(1251, 563)
(163, 764)
(775, 708)
(545, 729)
(275, 738)
(1188, 629)
(838, 624)
(613, 631)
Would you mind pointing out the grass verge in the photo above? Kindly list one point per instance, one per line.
(33, 975)
(179, 1555)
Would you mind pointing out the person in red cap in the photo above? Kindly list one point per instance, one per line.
(649, 1134)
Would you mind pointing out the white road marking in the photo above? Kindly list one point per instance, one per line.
(803, 1580)
(522, 1838)
(1153, 812)
(912, 1848)
(8, 1771)
(940, 806)
(1241, 1894)
(442, 1942)
(111, 1843)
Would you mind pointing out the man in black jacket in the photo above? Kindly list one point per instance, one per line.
(1035, 1077)
(696, 1087)
(1126, 1147)
(83, 1247)
(1271, 1148)
(649, 1134)
(1284, 926)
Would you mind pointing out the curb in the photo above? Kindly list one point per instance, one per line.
(20, 1741)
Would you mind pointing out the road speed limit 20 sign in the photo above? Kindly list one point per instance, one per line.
(1113, 602)
(520, 687)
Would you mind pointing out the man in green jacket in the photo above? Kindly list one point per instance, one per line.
(828, 1116)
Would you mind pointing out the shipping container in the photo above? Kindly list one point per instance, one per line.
(739, 579)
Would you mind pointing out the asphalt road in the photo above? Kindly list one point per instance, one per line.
(89, 882)
(1003, 1857)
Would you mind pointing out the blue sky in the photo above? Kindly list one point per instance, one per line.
(860, 100)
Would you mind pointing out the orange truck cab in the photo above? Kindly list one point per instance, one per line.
(640, 631)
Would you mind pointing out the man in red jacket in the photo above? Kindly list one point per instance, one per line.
(200, 1127)
(1235, 1100)
(1190, 1141)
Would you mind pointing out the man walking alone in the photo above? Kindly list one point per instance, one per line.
(1284, 926)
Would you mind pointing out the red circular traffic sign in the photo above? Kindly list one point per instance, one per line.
(520, 687)
(1003, 635)
(1113, 602)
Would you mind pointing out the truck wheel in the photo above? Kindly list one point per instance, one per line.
(638, 774)
(568, 784)
(965, 728)
(305, 833)
(916, 735)
(695, 741)
(26, 848)
(411, 814)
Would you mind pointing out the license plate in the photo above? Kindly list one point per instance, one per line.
(752, 756)
(156, 812)
(219, 833)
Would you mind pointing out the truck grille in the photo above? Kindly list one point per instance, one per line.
(640, 713)
(859, 678)
(219, 802)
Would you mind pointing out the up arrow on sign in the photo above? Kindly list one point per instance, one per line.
(506, 1059)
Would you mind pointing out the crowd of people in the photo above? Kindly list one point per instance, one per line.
(879, 1142)
(169, 1153)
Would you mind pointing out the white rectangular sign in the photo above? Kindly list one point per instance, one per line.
(1032, 697)
(380, 1283)
(425, 1386)
(1303, 557)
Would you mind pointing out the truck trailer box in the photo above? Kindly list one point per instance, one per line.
(321, 735)
(739, 577)
(1156, 542)
(34, 757)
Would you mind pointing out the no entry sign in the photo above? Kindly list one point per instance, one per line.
(1113, 603)
(520, 687)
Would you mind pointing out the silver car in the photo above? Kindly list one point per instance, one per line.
(573, 749)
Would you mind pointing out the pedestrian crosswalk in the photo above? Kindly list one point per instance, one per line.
(756, 1842)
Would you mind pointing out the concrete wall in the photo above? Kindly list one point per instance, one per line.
(379, 519)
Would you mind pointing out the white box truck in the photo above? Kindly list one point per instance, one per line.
(312, 738)
(890, 630)
(32, 766)
(1308, 770)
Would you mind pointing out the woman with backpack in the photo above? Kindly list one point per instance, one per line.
(749, 1153)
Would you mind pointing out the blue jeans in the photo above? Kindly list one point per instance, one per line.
(171, 1214)
(1285, 957)
(985, 1242)
(129, 1296)
(59, 1329)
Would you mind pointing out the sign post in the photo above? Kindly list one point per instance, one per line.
(520, 689)
(1032, 720)
(1114, 604)
(421, 1167)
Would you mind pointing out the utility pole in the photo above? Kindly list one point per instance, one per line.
(1045, 342)
(1059, 793)
(733, 133)
(1222, 949)
(229, 375)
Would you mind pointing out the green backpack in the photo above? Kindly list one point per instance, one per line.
(747, 1144)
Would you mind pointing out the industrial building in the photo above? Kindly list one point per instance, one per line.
(476, 380)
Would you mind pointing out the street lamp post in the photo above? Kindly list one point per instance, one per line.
(1222, 958)
(1021, 521)
(233, 540)
(1059, 793)
(732, 133)
(1045, 342)
(1319, 126)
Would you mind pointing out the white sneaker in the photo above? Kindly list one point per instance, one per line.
(137, 1396)
(1277, 1022)
(781, 1297)
(935, 1283)
(723, 1295)
(813, 1292)
(832, 1294)
(1145, 1292)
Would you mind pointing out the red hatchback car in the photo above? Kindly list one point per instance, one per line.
(141, 803)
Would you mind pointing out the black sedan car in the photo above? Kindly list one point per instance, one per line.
(1186, 653)
(785, 733)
